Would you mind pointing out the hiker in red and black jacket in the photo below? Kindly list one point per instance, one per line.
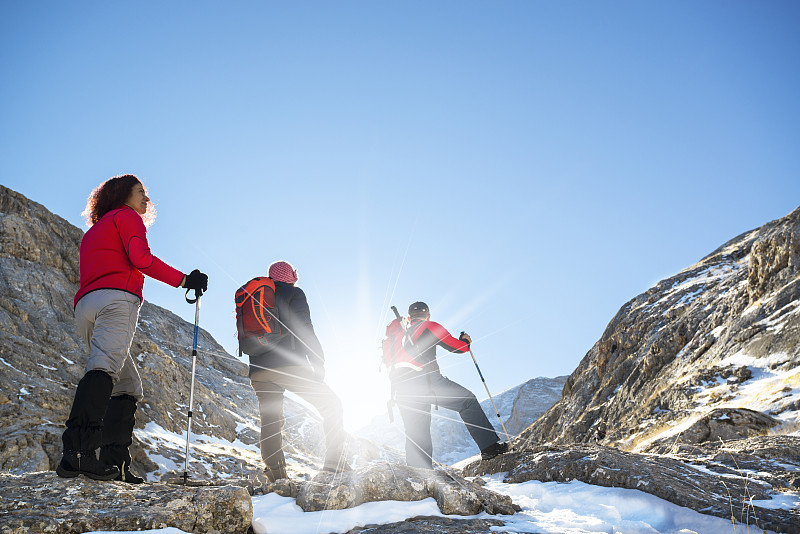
(114, 259)
(418, 390)
(297, 363)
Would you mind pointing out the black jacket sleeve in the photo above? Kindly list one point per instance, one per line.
(304, 330)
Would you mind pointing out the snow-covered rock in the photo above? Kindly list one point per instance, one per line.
(736, 480)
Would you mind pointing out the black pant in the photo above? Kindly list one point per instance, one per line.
(416, 391)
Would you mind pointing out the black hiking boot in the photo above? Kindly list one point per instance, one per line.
(117, 436)
(125, 475)
(276, 472)
(75, 463)
(495, 449)
(85, 423)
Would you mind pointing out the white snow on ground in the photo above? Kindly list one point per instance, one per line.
(547, 508)
(781, 501)
(275, 514)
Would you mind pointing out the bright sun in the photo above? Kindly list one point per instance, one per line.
(354, 372)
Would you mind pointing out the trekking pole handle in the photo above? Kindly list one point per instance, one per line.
(396, 313)
(196, 322)
(197, 294)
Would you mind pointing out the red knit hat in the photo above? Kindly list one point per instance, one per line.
(282, 271)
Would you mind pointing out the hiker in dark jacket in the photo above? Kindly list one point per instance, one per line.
(418, 390)
(114, 259)
(297, 363)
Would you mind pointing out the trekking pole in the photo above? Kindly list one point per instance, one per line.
(197, 294)
(497, 413)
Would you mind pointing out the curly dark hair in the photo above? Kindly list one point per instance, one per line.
(112, 194)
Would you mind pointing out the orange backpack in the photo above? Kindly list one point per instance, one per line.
(257, 322)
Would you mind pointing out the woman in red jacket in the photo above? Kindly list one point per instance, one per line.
(114, 258)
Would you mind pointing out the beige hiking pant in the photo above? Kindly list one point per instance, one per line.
(106, 320)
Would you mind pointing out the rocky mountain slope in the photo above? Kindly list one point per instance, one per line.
(518, 408)
(710, 353)
(42, 359)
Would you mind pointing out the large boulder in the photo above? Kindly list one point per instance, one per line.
(382, 481)
(43, 502)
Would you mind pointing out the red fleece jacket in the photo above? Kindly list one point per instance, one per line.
(427, 335)
(115, 255)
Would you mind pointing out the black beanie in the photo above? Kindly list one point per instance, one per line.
(418, 308)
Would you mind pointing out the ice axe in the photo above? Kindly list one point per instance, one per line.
(392, 392)
(496, 412)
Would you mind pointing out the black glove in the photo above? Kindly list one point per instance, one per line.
(465, 338)
(196, 280)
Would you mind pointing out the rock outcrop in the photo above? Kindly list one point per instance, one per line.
(382, 481)
(43, 502)
(723, 334)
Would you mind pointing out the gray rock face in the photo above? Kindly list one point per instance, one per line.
(722, 334)
(382, 481)
(43, 502)
(721, 424)
(722, 480)
(532, 399)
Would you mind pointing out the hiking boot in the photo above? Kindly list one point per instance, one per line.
(75, 463)
(495, 449)
(125, 475)
(275, 473)
(117, 436)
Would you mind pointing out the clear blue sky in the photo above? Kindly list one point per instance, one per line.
(525, 167)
